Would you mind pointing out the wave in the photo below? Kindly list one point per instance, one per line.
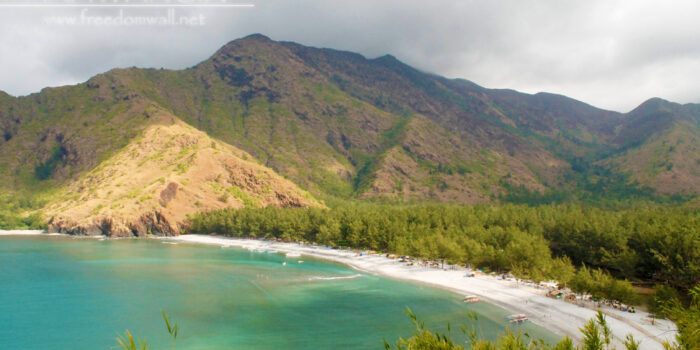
(331, 278)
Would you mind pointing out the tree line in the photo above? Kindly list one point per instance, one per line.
(660, 244)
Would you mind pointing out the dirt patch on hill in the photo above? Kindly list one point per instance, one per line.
(168, 172)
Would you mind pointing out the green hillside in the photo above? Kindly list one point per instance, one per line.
(344, 127)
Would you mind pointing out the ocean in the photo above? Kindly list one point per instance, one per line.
(66, 293)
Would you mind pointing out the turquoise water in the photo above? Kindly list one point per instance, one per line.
(65, 293)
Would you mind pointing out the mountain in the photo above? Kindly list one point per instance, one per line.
(660, 146)
(324, 124)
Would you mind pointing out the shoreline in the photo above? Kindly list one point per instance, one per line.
(24, 233)
(560, 317)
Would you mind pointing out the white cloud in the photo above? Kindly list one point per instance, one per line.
(612, 54)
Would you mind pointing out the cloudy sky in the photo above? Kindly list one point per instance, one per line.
(612, 54)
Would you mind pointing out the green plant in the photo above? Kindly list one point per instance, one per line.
(687, 319)
(658, 299)
(423, 338)
(127, 342)
(171, 329)
(596, 333)
(596, 336)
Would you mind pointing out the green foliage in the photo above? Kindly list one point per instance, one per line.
(565, 344)
(596, 336)
(687, 320)
(534, 242)
(127, 342)
(423, 338)
(596, 333)
(600, 284)
(171, 329)
(591, 184)
(18, 211)
(457, 234)
(657, 244)
(244, 197)
(46, 169)
(630, 343)
(658, 299)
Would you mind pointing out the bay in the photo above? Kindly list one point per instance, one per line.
(68, 293)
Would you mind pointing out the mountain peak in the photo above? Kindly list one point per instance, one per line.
(656, 100)
(256, 37)
(654, 104)
(388, 60)
(386, 57)
(250, 42)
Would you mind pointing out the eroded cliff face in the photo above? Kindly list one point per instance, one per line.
(168, 172)
(149, 223)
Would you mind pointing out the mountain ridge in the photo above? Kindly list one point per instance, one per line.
(343, 126)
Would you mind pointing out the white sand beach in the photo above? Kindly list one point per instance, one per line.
(21, 232)
(561, 317)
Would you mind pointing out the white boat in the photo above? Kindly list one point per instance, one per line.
(471, 299)
(293, 255)
(519, 320)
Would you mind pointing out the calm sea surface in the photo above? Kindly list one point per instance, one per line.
(66, 293)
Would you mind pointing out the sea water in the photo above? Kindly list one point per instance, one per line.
(67, 293)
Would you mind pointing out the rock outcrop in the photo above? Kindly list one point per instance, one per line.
(149, 223)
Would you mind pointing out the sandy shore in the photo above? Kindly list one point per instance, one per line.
(556, 315)
(21, 232)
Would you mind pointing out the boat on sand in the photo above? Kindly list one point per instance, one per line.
(471, 299)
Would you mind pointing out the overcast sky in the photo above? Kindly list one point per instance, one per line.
(611, 54)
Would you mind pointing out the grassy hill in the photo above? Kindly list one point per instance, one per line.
(335, 124)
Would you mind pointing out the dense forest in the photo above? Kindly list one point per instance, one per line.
(583, 245)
